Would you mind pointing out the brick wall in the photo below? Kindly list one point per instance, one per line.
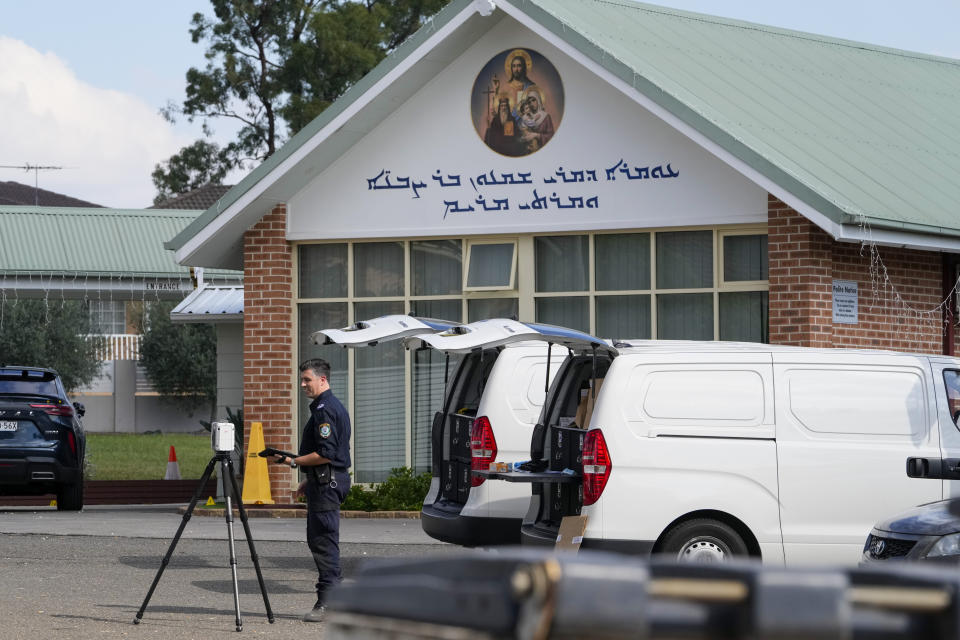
(268, 341)
(896, 287)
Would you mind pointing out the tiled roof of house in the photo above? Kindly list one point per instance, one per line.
(200, 198)
(17, 193)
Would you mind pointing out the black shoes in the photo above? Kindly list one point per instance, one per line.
(316, 614)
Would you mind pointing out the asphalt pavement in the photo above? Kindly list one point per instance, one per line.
(85, 575)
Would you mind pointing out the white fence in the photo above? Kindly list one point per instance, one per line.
(119, 346)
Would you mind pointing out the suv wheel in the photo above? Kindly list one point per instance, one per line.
(70, 497)
(704, 541)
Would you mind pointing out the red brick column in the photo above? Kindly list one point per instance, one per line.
(800, 278)
(268, 341)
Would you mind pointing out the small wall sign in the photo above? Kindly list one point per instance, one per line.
(845, 294)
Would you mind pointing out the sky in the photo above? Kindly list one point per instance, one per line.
(82, 83)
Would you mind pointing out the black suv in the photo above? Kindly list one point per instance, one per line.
(42, 443)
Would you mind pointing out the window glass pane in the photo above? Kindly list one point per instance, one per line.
(685, 316)
(744, 258)
(492, 308)
(491, 265)
(622, 261)
(323, 270)
(438, 309)
(107, 316)
(378, 269)
(562, 263)
(430, 370)
(744, 316)
(313, 317)
(379, 421)
(684, 259)
(623, 317)
(565, 312)
(951, 379)
(435, 267)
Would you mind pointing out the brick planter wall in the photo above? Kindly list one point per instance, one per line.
(804, 260)
(268, 341)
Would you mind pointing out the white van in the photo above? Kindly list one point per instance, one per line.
(493, 396)
(706, 450)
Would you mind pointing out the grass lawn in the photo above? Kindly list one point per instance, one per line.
(130, 456)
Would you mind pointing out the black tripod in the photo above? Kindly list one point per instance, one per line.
(226, 471)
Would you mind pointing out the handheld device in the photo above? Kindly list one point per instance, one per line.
(270, 451)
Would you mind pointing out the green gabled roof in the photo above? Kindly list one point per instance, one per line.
(852, 129)
(856, 132)
(65, 240)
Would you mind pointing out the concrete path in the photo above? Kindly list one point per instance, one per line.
(162, 521)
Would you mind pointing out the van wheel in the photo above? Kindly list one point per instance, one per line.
(704, 541)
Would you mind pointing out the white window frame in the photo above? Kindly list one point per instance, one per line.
(468, 255)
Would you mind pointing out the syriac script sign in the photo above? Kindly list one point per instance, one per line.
(488, 192)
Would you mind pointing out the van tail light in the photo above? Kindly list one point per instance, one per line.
(596, 466)
(483, 448)
(54, 409)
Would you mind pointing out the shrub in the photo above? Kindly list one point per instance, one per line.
(401, 491)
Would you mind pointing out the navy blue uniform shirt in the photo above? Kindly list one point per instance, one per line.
(327, 433)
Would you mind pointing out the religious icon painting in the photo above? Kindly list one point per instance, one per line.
(517, 102)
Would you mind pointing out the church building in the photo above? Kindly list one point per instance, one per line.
(620, 168)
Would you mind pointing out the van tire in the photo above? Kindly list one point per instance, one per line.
(703, 541)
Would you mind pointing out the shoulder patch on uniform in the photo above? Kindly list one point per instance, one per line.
(325, 430)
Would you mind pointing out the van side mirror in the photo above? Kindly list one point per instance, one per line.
(79, 408)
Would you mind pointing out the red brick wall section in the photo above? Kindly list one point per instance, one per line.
(899, 289)
(268, 341)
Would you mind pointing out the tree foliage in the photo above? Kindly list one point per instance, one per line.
(274, 65)
(194, 166)
(180, 359)
(50, 333)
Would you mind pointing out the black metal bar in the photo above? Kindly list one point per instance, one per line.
(546, 382)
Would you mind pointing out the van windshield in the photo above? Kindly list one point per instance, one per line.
(951, 379)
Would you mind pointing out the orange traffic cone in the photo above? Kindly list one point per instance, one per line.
(173, 469)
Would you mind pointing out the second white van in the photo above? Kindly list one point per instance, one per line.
(709, 450)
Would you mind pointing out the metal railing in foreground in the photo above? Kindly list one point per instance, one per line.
(534, 595)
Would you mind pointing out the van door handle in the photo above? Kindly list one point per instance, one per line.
(923, 467)
(934, 468)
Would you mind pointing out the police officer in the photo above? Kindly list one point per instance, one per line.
(325, 440)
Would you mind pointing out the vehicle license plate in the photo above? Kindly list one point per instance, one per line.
(8, 425)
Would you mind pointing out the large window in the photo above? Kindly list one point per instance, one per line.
(705, 284)
(662, 285)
